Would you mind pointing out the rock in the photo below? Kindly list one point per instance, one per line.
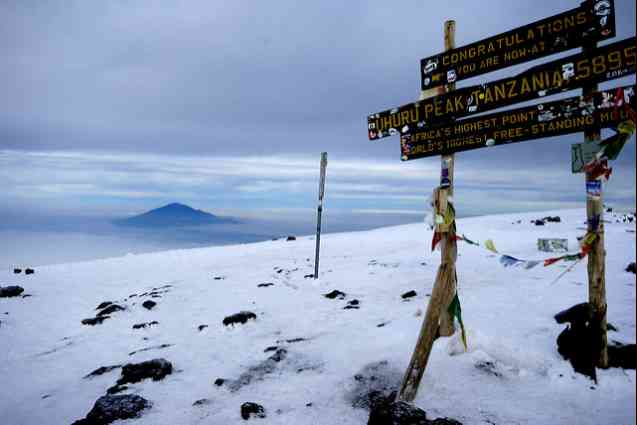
(112, 308)
(110, 408)
(308, 276)
(116, 389)
(219, 382)
(271, 348)
(352, 305)
(374, 382)
(95, 320)
(103, 305)
(202, 402)
(554, 219)
(335, 294)
(219, 278)
(17, 271)
(265, 285)
(241, 317)
(538, 222)
(259, 371)
(577, 315)
(611, 328)
(149, 304)
(102, 370)
(156, 369)
(29, 271)
(249, 410)
(145, 325)
(385, 412)
(631, 268)
(153, 347)
(10, 291)
(202, 327)
(623, 356)
(409, 294)
(290, 238)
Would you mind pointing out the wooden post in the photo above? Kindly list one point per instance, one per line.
(437, 320)
(597, 255)
(319, 213)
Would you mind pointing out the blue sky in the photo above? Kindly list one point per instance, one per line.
(112, 108)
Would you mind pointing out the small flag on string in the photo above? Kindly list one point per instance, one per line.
(488, 244)
(456, 311)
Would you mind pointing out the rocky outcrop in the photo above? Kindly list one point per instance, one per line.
(11, 291)
(110, 408)
(239, 318)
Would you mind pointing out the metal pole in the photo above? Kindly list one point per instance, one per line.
(319, 213)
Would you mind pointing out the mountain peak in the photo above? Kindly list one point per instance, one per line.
(171, 215)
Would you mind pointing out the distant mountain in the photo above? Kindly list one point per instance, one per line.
(173, 215)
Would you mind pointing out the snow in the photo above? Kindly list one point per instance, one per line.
(508, 313)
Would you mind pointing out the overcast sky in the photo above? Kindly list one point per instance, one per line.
(113, 107)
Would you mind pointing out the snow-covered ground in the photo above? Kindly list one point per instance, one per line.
(45, 351)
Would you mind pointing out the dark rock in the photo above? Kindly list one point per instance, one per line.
(154, 347)
(623, 356)
(258, 371)
(265, 285)
(577, 315)
(335, 294)
(146, 324)
(611, 328)
(26, 295)
(576, 344)
(241, 317)
(380, 325)
(489, 368)
(17, 271)
(309, 276)
(110, 408)
(409, 294)
(538, 222)
(290, 238)
(631, 268)
(292, 340)
(156, 369)
(103, 305)
(386, 412)
(116, 389)
(29, 271)
(95, 320)
(10, 291)
(102, 370)
(271, 348)
(374, 382)
(110, 310)
(219, 278)
(149, 304)
(554, 219)
(202, 402)
(202, 327)
(249, 410)
(219, 381)
(352, 305)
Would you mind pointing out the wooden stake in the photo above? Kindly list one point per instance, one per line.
(597, 255)
(437, 319)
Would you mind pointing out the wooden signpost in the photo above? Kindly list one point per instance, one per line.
(548, 119)
(432, 127)
(576, 71)
(568, 30)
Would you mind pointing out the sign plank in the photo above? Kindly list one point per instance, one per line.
(605, 63)
(532, 122)
(591, 21)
